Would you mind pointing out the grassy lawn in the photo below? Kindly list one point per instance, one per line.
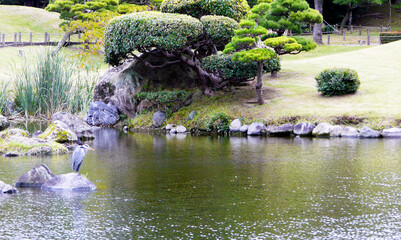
(27, 19)
(292, 97)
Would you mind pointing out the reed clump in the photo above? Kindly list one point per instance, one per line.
(52, 83)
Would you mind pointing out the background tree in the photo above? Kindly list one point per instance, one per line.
(89, 18)
(317, 28)
(351, 5)
(248, 47)
(290, 15)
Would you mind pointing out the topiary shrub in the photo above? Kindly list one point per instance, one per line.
(220, 29)
(143, 30)
(235, 71)
(236, 9)
(337, 81)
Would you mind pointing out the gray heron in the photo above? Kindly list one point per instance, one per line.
(79, 154)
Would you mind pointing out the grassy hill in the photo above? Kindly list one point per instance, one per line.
(27, 19)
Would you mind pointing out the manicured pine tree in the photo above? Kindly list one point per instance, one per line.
(248, 47)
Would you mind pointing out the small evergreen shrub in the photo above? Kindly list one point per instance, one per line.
(219, 123)
(337, 81)
(234, 71)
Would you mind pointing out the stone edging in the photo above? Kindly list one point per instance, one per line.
(308, 129)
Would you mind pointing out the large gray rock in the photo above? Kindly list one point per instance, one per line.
(76, 124)
(3, 123)
(35, 177)
(336, 131)
(392, 132)
(7, 188)
(119, 85)
(158, 119)
(235, 125)
(102, 114)
(256, 129)
(58, 131)
(367, 132)
(304, 129)
(350, 132)
(322, 130)
(70, 182)
(283, 130)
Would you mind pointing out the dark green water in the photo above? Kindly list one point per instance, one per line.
(164, 187)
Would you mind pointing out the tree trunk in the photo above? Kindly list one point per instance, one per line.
(389, 13)
(62, 41)
(259, 83)
(317, 29)
(346, 17)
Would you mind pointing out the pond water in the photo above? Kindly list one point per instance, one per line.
(183, 187)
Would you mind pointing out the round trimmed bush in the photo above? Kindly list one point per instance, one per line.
(337, 81)
(220, 29)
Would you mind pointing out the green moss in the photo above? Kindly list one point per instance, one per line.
(48, 131)
(22, 149)
(62, 136)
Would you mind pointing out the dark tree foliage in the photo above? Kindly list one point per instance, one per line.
(31, 3)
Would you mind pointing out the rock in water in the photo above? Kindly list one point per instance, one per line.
(336, 131)
(158, 119)
(322, 130)
(69, 182)
(7, 188)
(81, 128)
(350, 132)
(59, 132)
(304, 129)
(3, 123)
(367, 132)
(244, 128)
(394, 132)
(283, 130)
(235, 125)
(181, 129)
(256, 129)
(35, 177)
(102, 114)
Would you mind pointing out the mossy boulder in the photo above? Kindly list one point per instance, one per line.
(59, 132)
(20, 146)
(13, 132)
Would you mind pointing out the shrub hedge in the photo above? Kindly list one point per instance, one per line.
(234, 71)
(235, 9)
(387, 37)
(337, 81)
